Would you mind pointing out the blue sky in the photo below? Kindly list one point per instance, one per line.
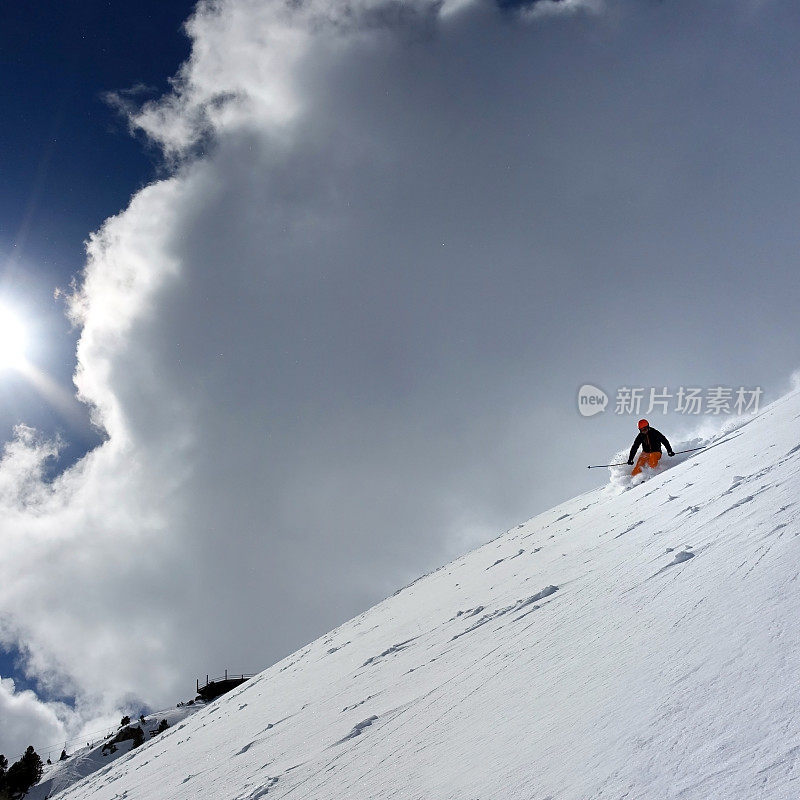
(68, 159)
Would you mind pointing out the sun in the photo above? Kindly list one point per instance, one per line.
(13, 339)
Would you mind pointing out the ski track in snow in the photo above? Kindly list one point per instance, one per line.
(642, 643)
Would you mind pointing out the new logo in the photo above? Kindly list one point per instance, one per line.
(591, 400)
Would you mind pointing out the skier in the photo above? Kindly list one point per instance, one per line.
(651, 440)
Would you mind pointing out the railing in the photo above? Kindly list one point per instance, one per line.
(226, 677)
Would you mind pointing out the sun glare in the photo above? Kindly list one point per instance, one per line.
(13, 339)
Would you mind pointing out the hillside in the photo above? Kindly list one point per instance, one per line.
(98, 754)
(638, 641)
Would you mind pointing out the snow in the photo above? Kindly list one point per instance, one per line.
(639, 641)
(91, 758)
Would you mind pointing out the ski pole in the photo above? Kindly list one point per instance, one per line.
(625, 463)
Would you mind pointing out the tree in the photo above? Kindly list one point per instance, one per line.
(138, 737)
(129, 733)
(24, 774)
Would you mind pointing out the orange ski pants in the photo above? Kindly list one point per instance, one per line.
(651, 459)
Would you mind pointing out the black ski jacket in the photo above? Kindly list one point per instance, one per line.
(651, 443)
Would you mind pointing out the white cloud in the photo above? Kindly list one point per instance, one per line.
(27, 720)
(552, 8)
(253, 486)
(246, 64)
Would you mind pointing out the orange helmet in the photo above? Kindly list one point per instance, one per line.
(643, 423)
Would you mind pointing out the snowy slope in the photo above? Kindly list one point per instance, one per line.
(87, 760)
(642, 643)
